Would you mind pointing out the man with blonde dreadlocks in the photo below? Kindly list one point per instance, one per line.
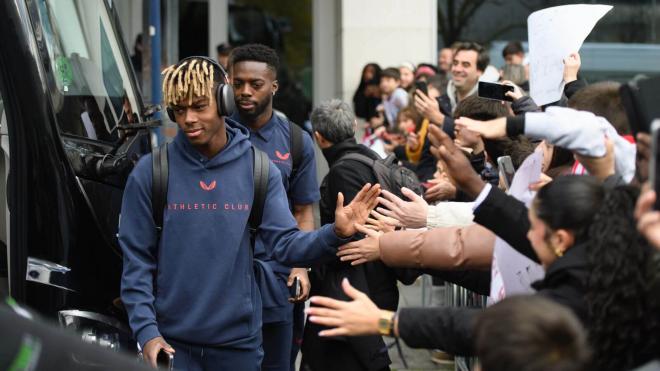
(190, 289)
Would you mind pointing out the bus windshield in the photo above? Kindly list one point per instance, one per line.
(92, 92)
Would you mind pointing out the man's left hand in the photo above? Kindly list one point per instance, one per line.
(355, 212)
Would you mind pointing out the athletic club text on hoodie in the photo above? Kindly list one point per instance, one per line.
(197, 285)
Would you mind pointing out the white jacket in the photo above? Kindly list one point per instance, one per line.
(581, 132)
(450, 214)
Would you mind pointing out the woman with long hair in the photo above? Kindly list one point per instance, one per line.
(624, 328)
(367, 96)
(596, 264)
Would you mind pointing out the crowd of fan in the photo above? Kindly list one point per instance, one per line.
(591, 224)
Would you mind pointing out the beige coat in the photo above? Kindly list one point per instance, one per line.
(441, 248)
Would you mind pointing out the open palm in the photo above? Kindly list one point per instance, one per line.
(356, 211)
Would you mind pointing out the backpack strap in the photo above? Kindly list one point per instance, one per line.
(260, 170)
(160, 176)
(357, 157)
(295, 147)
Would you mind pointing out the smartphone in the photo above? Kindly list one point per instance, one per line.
(505, 167)
(422, 86)
(296, 289)
(491, 90)
(654, 164)
(165, 360)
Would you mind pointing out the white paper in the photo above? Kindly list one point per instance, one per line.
(513, 273)
(553, 34)
(378, 146)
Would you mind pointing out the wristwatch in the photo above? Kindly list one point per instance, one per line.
(386, 323)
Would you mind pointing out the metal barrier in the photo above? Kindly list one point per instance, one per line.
(454, 296)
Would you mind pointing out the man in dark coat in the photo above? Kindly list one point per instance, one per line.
(334, 129)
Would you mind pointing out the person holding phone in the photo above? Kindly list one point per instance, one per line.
(583, 235)
(470, 60)
(253, 72)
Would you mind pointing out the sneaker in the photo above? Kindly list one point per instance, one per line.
(441, 358)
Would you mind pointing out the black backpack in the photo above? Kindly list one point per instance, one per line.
(261, 163)
(390, 175)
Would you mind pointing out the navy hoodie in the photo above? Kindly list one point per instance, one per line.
(198, 285)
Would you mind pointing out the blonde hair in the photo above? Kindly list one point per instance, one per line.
(187, 79)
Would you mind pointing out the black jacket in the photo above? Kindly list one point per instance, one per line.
(573, 87)
(375, 279)
(451, 329)
(524, 105)
(507, 217)
(565, 282)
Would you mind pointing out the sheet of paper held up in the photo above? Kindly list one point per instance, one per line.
(513, 273)
(553, 34)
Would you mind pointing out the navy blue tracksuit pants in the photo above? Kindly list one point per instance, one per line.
(189, 357)
(277, 345)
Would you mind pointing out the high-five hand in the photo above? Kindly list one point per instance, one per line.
(355, 212)
(410, 214)
(346, 318)
(364, 250)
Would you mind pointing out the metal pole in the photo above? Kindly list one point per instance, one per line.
(155, 36)
(654, 11)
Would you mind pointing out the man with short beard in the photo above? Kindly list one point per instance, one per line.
(469, 63)
(253, 70)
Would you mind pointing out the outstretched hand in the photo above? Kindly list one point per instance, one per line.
(364, 250)
(355, 212)
(457, 165)
(441, 190)
(353, 318)
(409, 214)
(381, 223)
(491, 129)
